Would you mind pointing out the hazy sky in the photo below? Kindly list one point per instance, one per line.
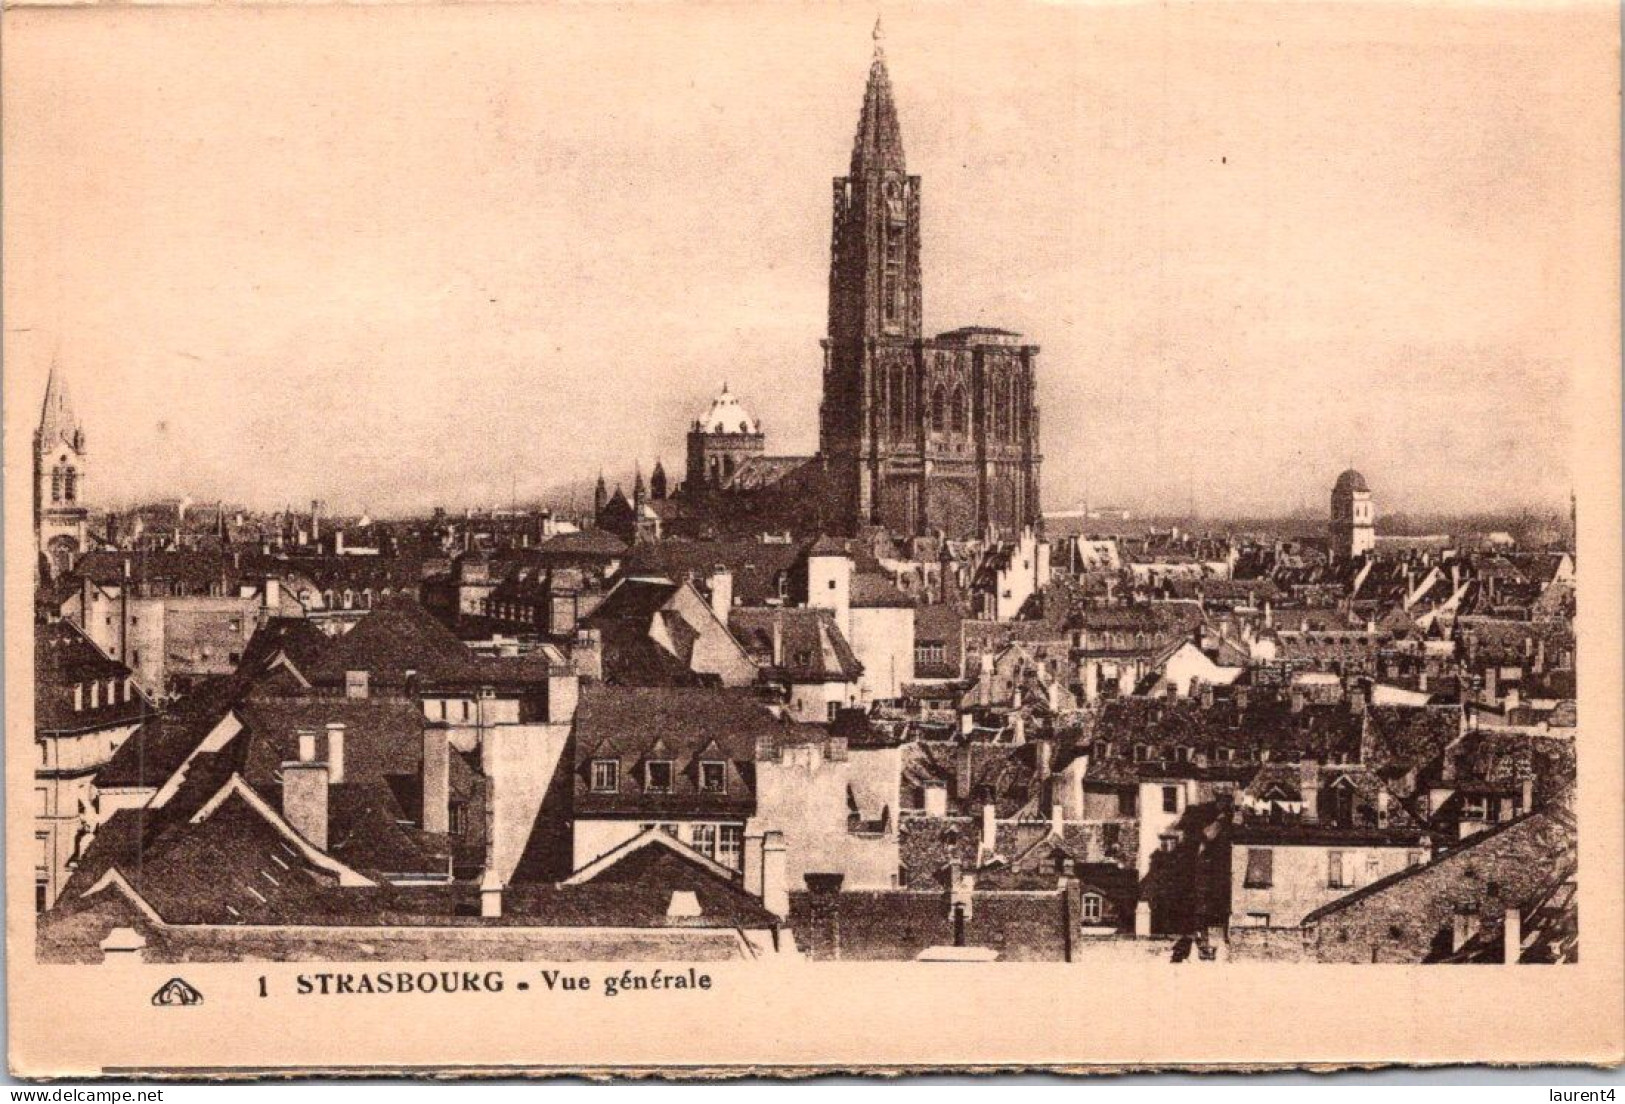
(399, 256)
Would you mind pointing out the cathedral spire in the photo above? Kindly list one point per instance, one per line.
(57, 420)
(878, 147)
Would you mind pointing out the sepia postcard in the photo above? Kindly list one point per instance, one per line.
(702, 539)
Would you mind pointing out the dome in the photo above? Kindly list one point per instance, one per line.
(727, 415)
(1351, 482)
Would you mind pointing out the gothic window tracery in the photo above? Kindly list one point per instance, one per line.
(957, 410)
(939, 412)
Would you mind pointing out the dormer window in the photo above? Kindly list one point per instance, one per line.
(713, 777)
(657, 776)
(606, 776)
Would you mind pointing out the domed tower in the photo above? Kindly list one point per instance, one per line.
(1353, 525)
(720, 440)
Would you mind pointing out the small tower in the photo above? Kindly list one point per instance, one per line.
(1353, 524)
(60, 460)
(640, 494)
(658, 490)
(600, 497)
(721, 440)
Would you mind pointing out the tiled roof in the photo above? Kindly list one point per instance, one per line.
(203, 874)
(680, 725)
(875, 591)
(757, 568)
(158, 748)
(812, 647)
(64, 657)
(586, 542)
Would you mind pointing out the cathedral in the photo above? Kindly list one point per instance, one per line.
(921, 434)
(61, 519)
(918, 435)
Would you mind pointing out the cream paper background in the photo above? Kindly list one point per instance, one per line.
(78, 1021)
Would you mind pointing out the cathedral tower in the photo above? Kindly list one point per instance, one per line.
(917, 434)
(60, 518)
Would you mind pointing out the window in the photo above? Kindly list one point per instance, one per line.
(657, 776)
(834, 708)
(1339, 874)
(1170, 799)
(1169, 842)
(713, 777)
(459, 818)
(934, 654)
(1475, 808)
(606, 776)
(1091, 908)
(1127, 803)
(957, 410)
(730, 844)
(704, 840)
(939, 410)
(1260, 868)
(1415, 858)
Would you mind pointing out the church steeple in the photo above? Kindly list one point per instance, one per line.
(60, 516)
(58, 423)
(878, 147)
(874, 283)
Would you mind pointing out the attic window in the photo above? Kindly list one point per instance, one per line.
(606, 776)
(657, 776)
(713, 777)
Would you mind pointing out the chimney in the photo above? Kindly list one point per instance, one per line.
(335, 751)
(490, 896)
(962, 772)
(1207, 695)
(1512, 937)
(984, 684)
(936, 799)
(753, 866)
(1018, 724)
(684, 905)
(967, 724)
(990, 828)
(1057, 818)
(273, 593)
(1382, 808)
(778, 642)
(1297, 699)
(563, 692)
(775, 875)
(1309, 788)
(1540, 655)
(1528, 794)
(1043, 757)
(722, 593)
(1463, 926)
(1356, 700)
(436, 780)
(588, 654)
(356, 684)
(304, 793)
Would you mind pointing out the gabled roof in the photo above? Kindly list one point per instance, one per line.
(811, 645)
(625, 722)
(65, 658)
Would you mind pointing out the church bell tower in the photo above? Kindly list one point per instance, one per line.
(60, 517)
